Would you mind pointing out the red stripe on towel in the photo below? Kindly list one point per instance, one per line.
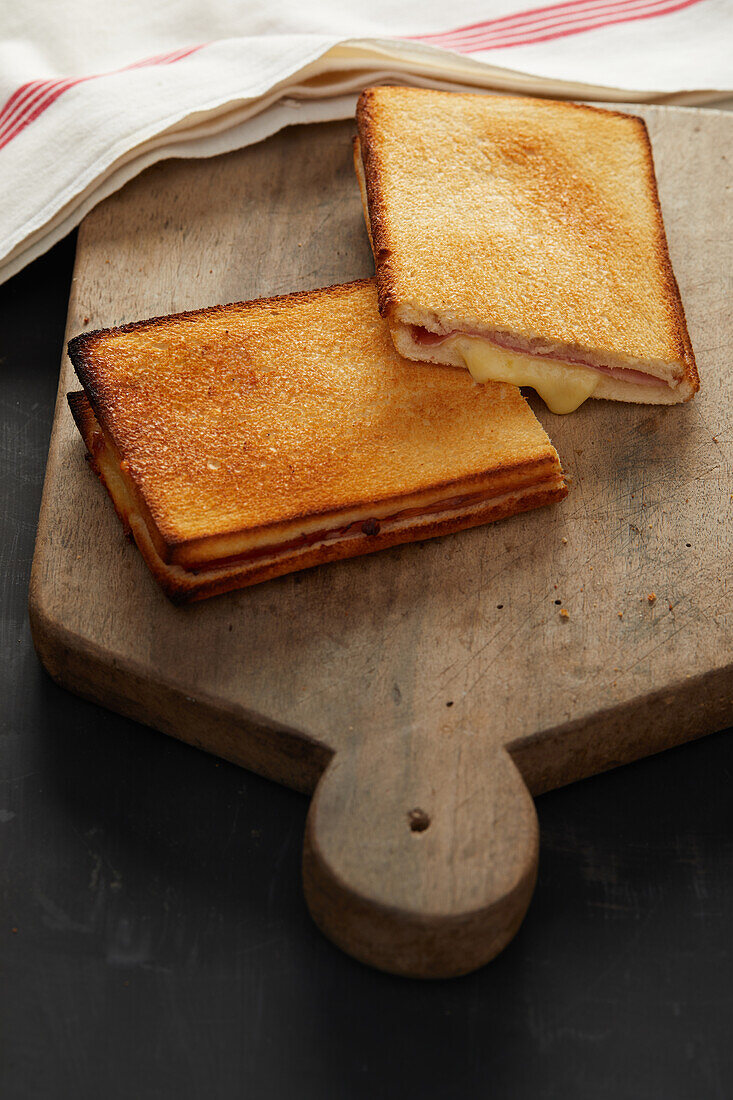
(32, 99)
(544, 24)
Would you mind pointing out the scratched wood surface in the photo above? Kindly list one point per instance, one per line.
(421, 693)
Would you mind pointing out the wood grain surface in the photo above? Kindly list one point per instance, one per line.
(423, 691)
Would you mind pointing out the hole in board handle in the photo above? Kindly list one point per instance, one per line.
(418, 820)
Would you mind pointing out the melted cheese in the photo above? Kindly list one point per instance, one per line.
(562, 386)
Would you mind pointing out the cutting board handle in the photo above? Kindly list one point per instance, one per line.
(421, 850)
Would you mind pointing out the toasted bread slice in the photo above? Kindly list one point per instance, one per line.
(523, 238)
(249, 440)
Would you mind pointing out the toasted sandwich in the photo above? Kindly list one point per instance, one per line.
(523, 238)
(245, 441)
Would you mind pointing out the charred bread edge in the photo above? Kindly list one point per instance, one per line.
(78, 345)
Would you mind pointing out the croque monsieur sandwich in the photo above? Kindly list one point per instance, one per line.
(245, 441)
(523, 238)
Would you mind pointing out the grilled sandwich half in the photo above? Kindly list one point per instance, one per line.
(523, 238)
(245, 441)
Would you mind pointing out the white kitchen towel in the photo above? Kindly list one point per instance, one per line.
(93, 93)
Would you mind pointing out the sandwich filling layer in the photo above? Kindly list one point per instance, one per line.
(297, 548)
(294, 538)
(562, 385)
(563, 388)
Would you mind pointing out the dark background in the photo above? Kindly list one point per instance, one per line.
(154, 941)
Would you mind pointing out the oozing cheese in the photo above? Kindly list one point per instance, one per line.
(562, 386)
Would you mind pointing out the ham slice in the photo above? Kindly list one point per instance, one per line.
(427, 338)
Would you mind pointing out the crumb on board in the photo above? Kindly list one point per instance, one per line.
(564, 614)
(564, 541)
(85, 321)
(14, 930)
(651, 597)
(620, 614)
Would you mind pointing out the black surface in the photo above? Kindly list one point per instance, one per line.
(155, 942)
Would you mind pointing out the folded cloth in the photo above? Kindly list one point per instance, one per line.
(93, 93)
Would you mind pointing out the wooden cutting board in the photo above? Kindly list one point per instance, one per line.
(424, 693)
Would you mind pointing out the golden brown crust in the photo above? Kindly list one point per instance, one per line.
(90, 432)
(366, 146)
(525, 216)
(679, 336)
(80, 347)
(240, 431)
